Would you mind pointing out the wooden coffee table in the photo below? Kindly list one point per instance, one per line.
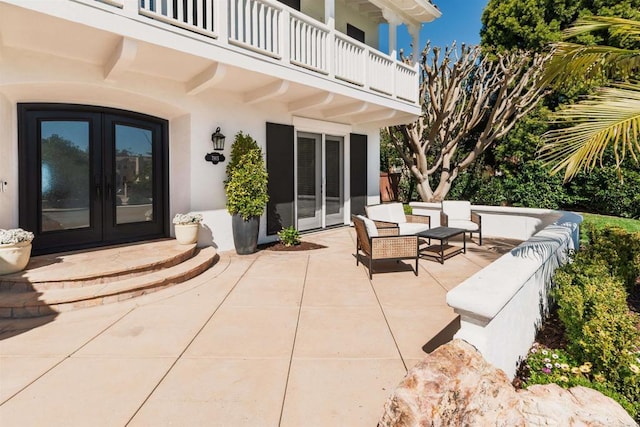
(444, 250)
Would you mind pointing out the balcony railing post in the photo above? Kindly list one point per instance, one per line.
(285, 36)
(130, 7)
(394, 81)
(366, 58)
(221, 19)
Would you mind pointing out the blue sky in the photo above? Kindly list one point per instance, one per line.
(460, 22)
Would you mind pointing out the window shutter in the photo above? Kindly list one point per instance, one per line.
(358, 163)
(280, 162)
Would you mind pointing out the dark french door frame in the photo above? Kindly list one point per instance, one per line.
(103, 229)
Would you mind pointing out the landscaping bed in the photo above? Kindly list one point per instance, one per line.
(592, 336)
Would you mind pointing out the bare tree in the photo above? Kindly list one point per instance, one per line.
(468, 101)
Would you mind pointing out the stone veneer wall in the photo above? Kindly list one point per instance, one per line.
(502, 306)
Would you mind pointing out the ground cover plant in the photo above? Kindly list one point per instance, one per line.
(597, 308)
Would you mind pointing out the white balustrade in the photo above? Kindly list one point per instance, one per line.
(194, 15)
(308, 44)
(406, 82)
(266, 27)
(381, 73)
(256, 25)
(349, 60)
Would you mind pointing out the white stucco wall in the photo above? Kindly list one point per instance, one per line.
(498, 221)
(502, 306)
(195, 185)
(8, 162)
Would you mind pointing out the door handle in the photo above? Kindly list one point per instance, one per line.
(97, 186)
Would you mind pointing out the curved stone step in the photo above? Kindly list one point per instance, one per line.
(96, 266)
(34, 304)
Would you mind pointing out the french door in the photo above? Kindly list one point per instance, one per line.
(91, 176)
(320, 181)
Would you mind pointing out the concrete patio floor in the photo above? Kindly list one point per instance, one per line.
(270, 339)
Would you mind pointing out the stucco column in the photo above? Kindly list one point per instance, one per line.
(393, 20)
(330, 13)
(414, 31)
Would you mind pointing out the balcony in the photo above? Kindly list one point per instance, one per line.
(280, 34)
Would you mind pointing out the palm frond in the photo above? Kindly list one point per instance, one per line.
(609, 118)
(629, 27)
(578, 61)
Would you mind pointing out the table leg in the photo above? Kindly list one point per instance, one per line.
(464, 243)
(441, 251)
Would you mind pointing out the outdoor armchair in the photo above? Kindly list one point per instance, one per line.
(392, 215)
(458, 214)
(383, 244)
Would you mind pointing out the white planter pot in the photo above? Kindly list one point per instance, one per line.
(187, 234)
(14, 257)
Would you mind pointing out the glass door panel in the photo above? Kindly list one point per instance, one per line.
(65, 196)
(134, 174)
(309, 190)
(134, 178)
(334, 165)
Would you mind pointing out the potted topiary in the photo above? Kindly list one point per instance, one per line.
(246, 190)
(15, 250)
(186, 226)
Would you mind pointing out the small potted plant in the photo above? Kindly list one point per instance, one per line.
(186, 226)
(15, 250)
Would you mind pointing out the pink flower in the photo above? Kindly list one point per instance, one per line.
(546, 370)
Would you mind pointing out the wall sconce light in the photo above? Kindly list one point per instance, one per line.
(217, 138)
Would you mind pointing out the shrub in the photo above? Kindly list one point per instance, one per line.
(618, 249)
(246, 185)
(600, 328)
(289, 236)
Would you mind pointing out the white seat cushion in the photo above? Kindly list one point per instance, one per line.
(457, 209)
(372, 230)
(464, 224)
(396, 213)
(390, 212)
(410, 228)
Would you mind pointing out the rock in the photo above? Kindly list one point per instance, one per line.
(455, 386)
(550, 404)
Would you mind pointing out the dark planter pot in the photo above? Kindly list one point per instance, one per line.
(245, 234)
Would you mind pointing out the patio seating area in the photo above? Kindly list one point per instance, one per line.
(270, 339)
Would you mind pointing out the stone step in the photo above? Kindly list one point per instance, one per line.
(96, 266)
(51, 301)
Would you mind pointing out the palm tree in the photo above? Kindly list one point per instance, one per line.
(611, 116)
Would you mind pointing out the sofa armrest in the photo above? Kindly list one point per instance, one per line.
(384, 224)
(444, 219)
(420, 219)
(475, 217)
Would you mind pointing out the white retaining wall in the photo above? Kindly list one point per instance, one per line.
(502, 306)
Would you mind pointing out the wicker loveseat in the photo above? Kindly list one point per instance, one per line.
(383, 244)
(392, 215)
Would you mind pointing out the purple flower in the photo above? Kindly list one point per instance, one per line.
(546, 370)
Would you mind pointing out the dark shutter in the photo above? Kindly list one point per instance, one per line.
(295, 4)
(280, 162)
(358, 173)
(355, 33)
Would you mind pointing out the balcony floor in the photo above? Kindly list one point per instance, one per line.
(270, 339)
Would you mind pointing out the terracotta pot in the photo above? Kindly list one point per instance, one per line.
(187, 234)
(14, 257)
(389, 183)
